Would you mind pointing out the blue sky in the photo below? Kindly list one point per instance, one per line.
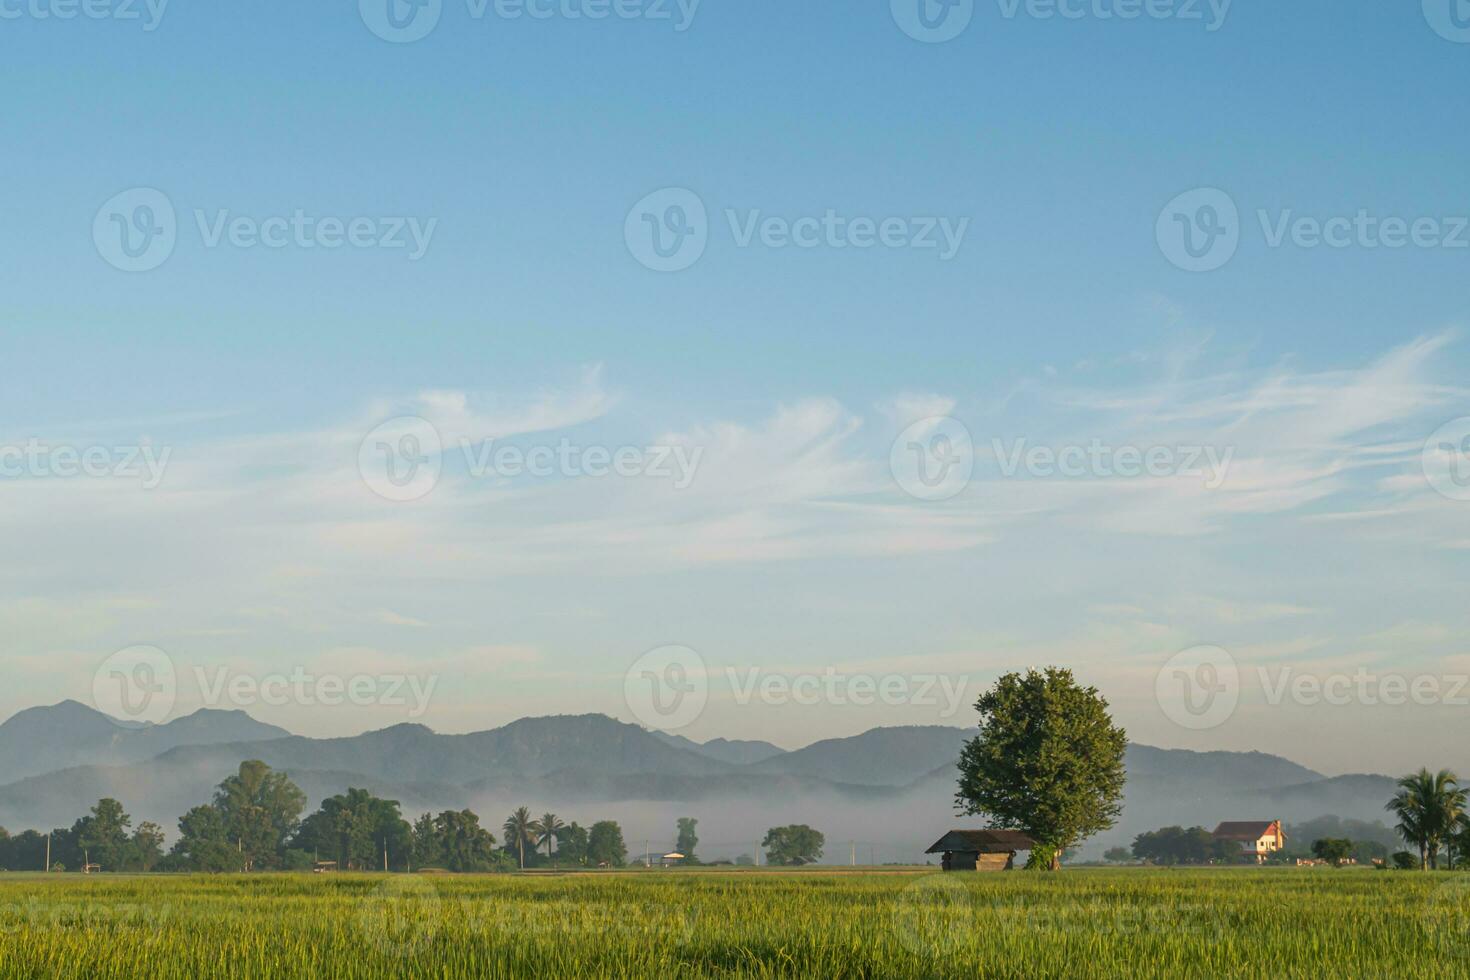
(1060, 320)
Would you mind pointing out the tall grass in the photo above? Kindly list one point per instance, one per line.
(1085, 923)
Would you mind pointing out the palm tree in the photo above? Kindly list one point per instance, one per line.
(547, 830)
(518, 831)
(1429, 807)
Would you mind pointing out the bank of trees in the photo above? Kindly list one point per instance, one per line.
(256, 822)
(105, 836)
(1178, 845)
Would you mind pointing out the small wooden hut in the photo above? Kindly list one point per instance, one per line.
(981, 850)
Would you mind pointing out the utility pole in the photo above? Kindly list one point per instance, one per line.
(48, 853)
(854, 853)
(385, 857)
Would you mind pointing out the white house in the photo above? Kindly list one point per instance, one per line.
(1258, 839)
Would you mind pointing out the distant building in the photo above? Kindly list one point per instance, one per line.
(980, 850)
(1257, 839)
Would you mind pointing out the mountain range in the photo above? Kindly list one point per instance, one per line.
(890, 789)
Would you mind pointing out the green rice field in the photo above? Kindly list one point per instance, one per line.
(1296, 922)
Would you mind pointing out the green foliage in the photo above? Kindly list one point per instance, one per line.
(204, 843)
(1332, 849)
(355, 829)
(1175, 845)
(461, 844)
(520, 835)
(546, 831)
(793, 845)
(1405, 861)
(688, 840)
(1429, 807)
(1048, 759)
(103, 835)
(261, 810)
(26, 851)
(572, 846)
(1117, 855)
(605, 845)
(1043, 857)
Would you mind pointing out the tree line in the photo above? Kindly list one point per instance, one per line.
(255, 823)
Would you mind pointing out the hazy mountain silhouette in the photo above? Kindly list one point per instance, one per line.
(59, 736)
(734, 751)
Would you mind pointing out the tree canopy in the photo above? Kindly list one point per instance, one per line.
(1048, 760)
(793, 845)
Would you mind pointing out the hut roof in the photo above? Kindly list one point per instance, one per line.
(983, 842)
(1244, 829)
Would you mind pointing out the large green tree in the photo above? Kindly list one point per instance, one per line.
(688, 839)
(356, 829)
(605, 845)
(261, 809)
(146, 846)
(1048, 760)
(1429, 807)
(463, 843)
(103, 835)
(204, 842)
(572, 844)
(793, 845)
(1333, 849)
